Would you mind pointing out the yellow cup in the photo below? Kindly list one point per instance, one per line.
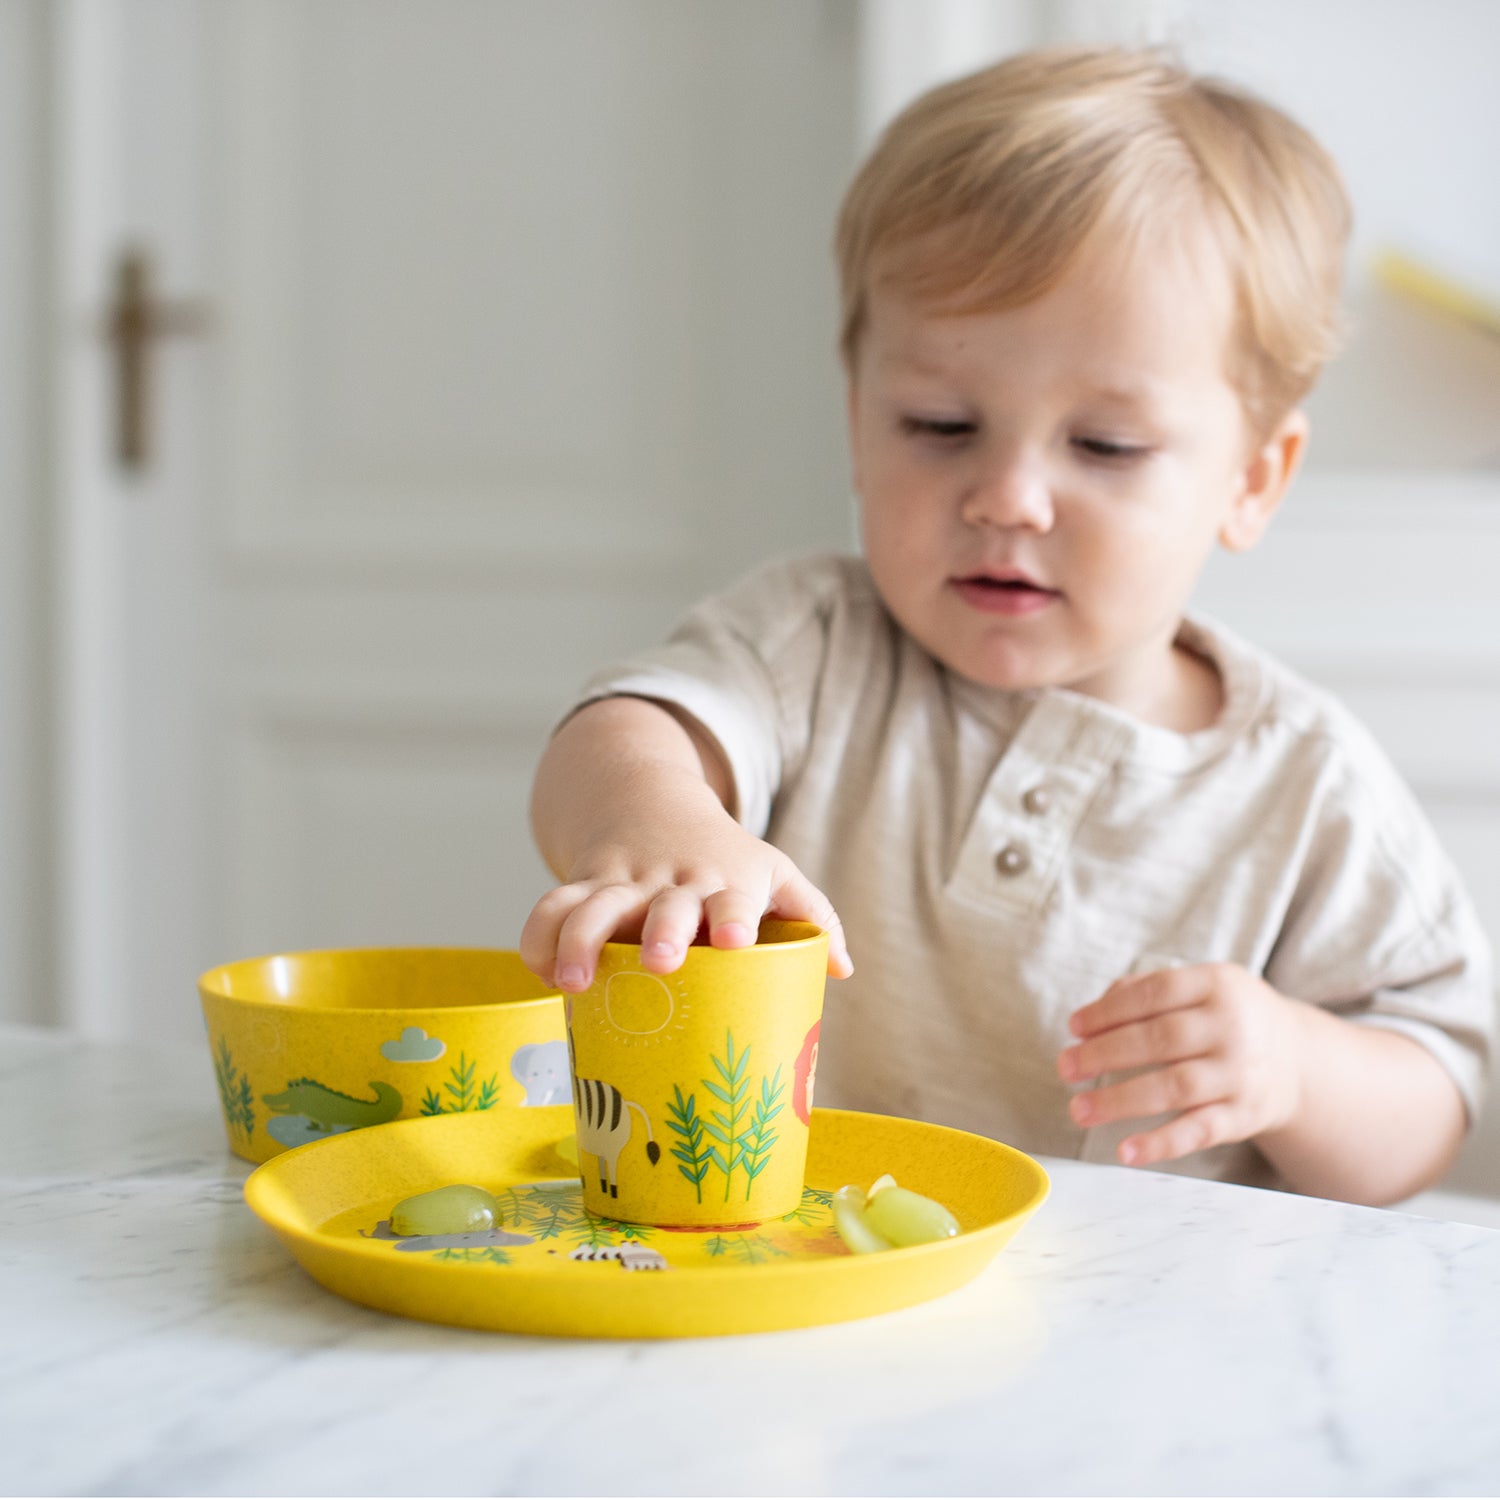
(692, 1091)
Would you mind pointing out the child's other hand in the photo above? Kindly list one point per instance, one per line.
(664, 897)
(1220, 1047)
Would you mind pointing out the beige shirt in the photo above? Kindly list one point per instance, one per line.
(999, 858)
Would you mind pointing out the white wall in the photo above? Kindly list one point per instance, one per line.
(25, 896)
(1403, 95)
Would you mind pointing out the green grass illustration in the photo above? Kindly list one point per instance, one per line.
(510, 1204)
(546, 1211)
(813, 1209)
(555, 1211)
(595, 1233)
(462, 1095)
(742, 1134)
(639, 1234)
(235, 1092)
(747, 1249)
(687, 1124)
(494, 1254)
(728, 1126)
(756, 1153)
(548, 1220)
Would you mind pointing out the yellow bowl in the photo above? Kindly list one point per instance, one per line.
(309, 1045)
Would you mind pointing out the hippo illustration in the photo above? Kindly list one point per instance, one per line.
(479, 1238)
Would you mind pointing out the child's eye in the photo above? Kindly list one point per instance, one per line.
(937, 427)
(1111, 452)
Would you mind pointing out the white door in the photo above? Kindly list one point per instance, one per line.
(496, 332)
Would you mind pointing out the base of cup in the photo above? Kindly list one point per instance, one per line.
(695, 1228)
(712, 1228)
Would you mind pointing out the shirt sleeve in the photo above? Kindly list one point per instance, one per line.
(1381, 930)
(745, 665)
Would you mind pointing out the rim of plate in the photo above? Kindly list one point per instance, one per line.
(1040, 1189)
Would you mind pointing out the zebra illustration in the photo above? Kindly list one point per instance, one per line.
(602, 1114)
(629, 1257)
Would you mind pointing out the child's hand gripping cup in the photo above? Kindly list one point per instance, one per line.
(693, 1091)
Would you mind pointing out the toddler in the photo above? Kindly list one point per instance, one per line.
(1119, 886)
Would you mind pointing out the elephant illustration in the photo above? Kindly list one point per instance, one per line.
(541, 1068)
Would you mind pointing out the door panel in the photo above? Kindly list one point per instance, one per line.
(466, 270)
(522, 337)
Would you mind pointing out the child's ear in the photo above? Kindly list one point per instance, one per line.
(1267, 473)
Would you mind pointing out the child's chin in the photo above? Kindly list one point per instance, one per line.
(1007, 677)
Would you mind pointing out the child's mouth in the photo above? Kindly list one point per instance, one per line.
(1004, 596)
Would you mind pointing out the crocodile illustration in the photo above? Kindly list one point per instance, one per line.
(326, 1109)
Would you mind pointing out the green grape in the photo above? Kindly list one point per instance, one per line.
(849, 1220)
(460, 1208)
(907, 1218)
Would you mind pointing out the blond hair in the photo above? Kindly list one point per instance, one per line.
(1007, 177)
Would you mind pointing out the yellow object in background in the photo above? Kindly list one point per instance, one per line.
(311, 1045)
(1415, 279)
(693, 1090)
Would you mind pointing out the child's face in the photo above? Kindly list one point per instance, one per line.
(1040, 487)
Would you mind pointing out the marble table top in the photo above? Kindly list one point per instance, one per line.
(1144, 1334)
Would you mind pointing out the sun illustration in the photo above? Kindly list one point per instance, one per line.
(642, 1007)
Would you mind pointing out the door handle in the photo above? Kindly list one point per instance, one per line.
(136, 319)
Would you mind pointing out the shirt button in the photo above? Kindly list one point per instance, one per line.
(1013, 860)
(1037, 800)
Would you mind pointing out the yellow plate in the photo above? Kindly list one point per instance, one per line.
(553, 1269)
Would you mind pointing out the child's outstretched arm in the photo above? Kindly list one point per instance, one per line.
(629, 808)
(1343, 1111)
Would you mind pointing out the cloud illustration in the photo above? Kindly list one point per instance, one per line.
(413, 1045)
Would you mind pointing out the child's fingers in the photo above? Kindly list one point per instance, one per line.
(671, 924)
(1169, 1037)
(799, 900)
(1138, 996)
(538, 946)
(1182, 1086)
(1196, 1130)
(608, 912)
(733, 918)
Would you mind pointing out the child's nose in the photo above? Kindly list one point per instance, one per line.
(1010, 490)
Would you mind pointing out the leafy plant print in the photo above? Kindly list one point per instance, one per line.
(548, 1217)
(747, 1249)
(491, 1253)
(555, 1211)
(235, 1093)
(637, 1234)
(726, 1126)
(687, 1125)
(757, 1150)
(742, 1133)
(462, 1095)
(587, 1230)
(813, 1209)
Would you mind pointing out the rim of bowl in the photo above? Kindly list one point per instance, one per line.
(206, 987)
